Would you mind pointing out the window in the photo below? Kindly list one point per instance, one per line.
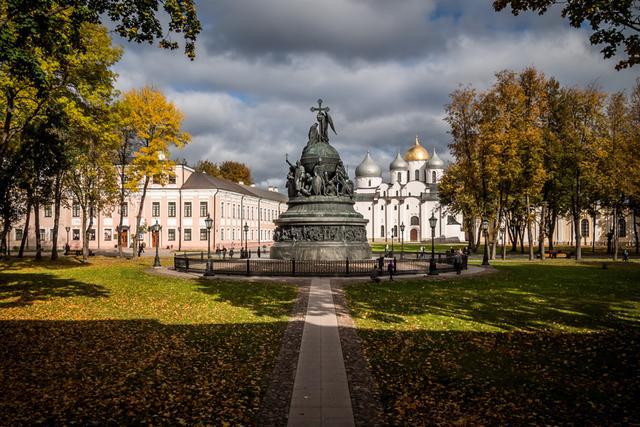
(395, 231)
(108, 234)
(382, 231)
(76, 234)
(75, 210)
(233, 234)
(18, 233)
(42, 234)
(47, 211)
(397, 193)
(155, 209)
(172, 209)
(51, 234)
(187, 234)
(584, 228)
(369, 183)
(187, 212)
(417, 174)
(204, 209)
(433, 177)
(171, 234)
(172, 179)
(234, 211)
(408, 176)
(124, 209)
(222, 210)
(92, 234)
(622, 227)
(222, 234)
(400, 176)
(395, 207)
(415, 220)
(381, 207)
(203, 234)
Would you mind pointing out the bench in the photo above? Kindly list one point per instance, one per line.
(550, 254)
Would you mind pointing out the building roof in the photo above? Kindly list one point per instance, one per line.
(368, 168)
(416, 152)
(398, 163)
(202, 181)
(436, 162)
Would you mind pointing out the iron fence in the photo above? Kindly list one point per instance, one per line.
(196, 262)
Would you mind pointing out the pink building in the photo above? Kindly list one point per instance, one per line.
(181, 208)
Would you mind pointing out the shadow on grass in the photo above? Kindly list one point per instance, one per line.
(21, 289)
(262, 298)
(528, 298)
(64, 262)
(515, 378)
(134, 372)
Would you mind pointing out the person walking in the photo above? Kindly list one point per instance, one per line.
(458, 261)
(625, 255)
(390, 269)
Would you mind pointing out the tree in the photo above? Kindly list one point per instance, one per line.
(613, 23)
(157, 126)
(236, 172)
(208, 167)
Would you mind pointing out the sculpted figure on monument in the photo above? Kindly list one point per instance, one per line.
(314, 136)
(324, 121)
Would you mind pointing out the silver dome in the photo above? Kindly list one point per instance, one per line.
(435, 162)
(399, 163)
(368, 168)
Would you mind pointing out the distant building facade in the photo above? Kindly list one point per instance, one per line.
(180, 207)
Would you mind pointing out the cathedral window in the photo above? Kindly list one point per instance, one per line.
(622, 227)
(381, 231)
(369, 183)
(415, 220)
(433, 177)
(417, 175)
(584, 228)
(400, 176)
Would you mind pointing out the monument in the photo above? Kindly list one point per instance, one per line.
(320, 222)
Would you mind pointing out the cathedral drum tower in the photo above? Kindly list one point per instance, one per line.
(320, 222)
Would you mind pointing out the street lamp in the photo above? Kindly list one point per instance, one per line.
(433, 221)
(402, 238)
(68, 230)
(391, 231)
(246, 232)
(155, 228)
(485, 229)
(209, 223)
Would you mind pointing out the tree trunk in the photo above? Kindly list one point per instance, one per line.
(513, 234)
(593, 235)
(122, 194)
(521, 237)
(139, 216)
(4, 245)
(25, 232)
(472, 230)
(57, 201)
(85, 234)
(36, 218)
(553, 219)
(529, 231)
(541, 233)
(616, 238)
(635, 229)
(576, 217)
(479, 236)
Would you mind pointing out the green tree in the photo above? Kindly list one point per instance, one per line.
(157, 126)
(613, 23)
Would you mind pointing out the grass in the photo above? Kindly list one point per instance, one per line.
(110, 343)
(551, 343)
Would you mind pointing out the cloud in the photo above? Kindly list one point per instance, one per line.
(385, 69)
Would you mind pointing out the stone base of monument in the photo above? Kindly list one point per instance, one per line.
(321, 228)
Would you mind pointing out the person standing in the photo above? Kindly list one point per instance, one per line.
(390, 269)
(625, 255)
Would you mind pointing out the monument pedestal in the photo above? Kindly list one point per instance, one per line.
(321, 228)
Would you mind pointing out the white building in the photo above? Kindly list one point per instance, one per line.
(409, 198)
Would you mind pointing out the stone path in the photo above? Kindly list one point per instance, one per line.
(321, 390)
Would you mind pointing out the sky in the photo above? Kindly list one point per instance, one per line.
(384, 67)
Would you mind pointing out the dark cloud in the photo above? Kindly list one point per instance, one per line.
(385, 68)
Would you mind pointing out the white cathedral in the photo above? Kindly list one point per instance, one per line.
(409, 199)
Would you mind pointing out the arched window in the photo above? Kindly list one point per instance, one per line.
(395, 231)
(584, 228)
(433, 177)
(408, 176)
(622, 227)
(415, 220)
(382, 231)
(369, 183)
(417, 175)
(400, 176)
(222, 234)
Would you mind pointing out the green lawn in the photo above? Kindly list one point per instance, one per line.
(552, 343)
(109, 343)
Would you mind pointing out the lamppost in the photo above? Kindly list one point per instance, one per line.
(504, 241)
(246, 232)
(155, 228)
(433, 221)
(485, 229)
(392, 228)
(402, 239)
(209, 223)
(68, 229)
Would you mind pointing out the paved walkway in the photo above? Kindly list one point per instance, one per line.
(320, 391)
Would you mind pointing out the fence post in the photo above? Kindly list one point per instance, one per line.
(293, 266)
(186, 259)
(347, 266)
(201, 255)
(248, 268)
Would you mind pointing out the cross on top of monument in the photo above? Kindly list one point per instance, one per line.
(320, 107)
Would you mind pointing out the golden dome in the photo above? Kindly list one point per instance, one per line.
(417, 152)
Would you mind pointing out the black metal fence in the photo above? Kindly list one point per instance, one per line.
(196, 262)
